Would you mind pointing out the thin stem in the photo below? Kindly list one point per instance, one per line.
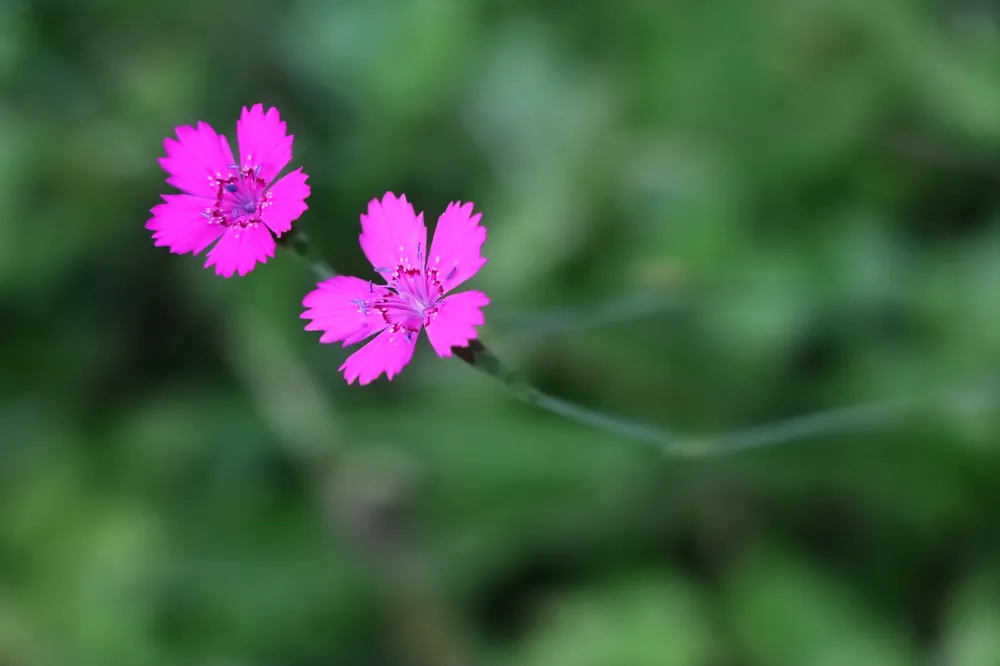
(855, 418)
(297, 241)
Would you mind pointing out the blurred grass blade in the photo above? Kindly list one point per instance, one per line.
(619, 309)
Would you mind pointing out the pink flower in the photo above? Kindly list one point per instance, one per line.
(394, 239)
(238, 204)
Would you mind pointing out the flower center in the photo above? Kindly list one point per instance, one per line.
(240, 197)
(410, 301)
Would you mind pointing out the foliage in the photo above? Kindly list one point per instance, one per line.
(803, 198)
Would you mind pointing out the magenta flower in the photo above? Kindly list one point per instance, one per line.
(238, 204)
(394, 239)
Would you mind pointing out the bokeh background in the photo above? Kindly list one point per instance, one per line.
(704, 215)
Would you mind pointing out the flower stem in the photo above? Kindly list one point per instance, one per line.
(872, 416)
(841, 420)
(297, 241)
(477, 355)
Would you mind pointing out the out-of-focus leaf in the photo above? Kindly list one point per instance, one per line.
(651, 620)
(972, 622)
(785, 612)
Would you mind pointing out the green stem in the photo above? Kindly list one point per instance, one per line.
(837, 421)
(297, 241)
(841, 420)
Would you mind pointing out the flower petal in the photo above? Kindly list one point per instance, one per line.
(179, 224)
(240, 249)
(455, 323)
(389, 352)
(196, 159)
(263, 140)
(338, 308)
(392, 234)
(456, 251)
(288, 202)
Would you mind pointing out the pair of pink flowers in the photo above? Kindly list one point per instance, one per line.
(241, 206)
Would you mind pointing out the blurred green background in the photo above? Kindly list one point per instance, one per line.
(704, 215)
